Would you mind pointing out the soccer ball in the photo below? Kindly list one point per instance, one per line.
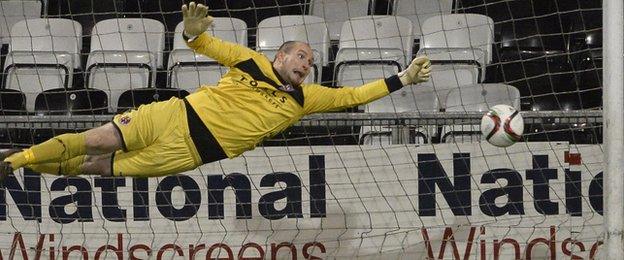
(502, 126)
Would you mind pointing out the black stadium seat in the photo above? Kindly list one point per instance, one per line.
(67, 102)
(12, 102)
(136, 97)
(71, 101)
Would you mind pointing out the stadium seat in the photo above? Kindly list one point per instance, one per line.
(476, 98)
(274, 31)
(15, 11)
(71, 101)
(165, 11)
(254, 11)
(136, 97)
(459, 37)
(449, 76)
(125, 54)
(87, 13)
(418, 11)
(188, 70)
(43, 54)
(12, 102)
(372, 47)
(459, 46)
(66, 102)
(336, 12)
(407, 99)
(480, 97)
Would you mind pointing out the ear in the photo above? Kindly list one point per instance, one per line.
(279, 56)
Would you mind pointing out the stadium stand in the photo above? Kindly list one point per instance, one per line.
(418, 11)
(336, 12)
(125, 54)
(372, 47)
(274, 31)
(188, 70)
(43, 54)
(460, 48)
(478, 97)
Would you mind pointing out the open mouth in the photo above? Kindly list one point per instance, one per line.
(299, 73)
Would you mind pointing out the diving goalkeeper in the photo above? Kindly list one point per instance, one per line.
(256, 99)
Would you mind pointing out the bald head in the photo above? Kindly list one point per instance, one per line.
(293, 61)
(289, 45)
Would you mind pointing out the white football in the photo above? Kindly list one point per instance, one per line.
(502, 126)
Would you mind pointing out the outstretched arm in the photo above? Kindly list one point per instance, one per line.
(322, 99)
(196, 22)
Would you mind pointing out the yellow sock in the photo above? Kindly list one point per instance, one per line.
(19, 159)
(57, 149)
(70, 167)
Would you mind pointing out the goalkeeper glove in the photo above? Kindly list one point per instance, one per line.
(417, 72)
(196, 20)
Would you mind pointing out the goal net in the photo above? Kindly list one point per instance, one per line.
(407, 176)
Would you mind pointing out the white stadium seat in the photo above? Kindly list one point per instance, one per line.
(125, 54)
(460, 47)
(407, 99)
(274, 31)
(449, 76)
(14, 11)
(476, 98)
(481, 97)
(455, 32)
(459, 38)
(336, 12)
(189, 70)
(372, 47)
(420, 10)
(42, 55)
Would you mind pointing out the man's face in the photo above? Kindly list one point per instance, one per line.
(294, 65)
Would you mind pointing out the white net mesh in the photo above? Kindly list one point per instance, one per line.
(407, 176)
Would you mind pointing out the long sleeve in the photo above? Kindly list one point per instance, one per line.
(322, 99)
(226, 53)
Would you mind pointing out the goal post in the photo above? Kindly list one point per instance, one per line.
(613, 50)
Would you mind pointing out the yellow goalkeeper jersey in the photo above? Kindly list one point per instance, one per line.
(251, 102)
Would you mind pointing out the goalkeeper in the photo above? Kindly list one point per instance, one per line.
(255, 100)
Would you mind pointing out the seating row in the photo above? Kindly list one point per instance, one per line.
(126, 53)
(469, 98)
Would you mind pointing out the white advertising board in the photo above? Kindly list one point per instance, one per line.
(450, 201)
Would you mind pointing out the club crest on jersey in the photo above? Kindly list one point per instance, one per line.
(287, 88)
(124, 120)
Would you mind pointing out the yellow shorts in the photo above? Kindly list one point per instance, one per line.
(156, 141)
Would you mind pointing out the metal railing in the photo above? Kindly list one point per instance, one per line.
(329, 119)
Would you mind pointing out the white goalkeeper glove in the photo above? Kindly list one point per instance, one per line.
(196, 20)
(417, 72)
